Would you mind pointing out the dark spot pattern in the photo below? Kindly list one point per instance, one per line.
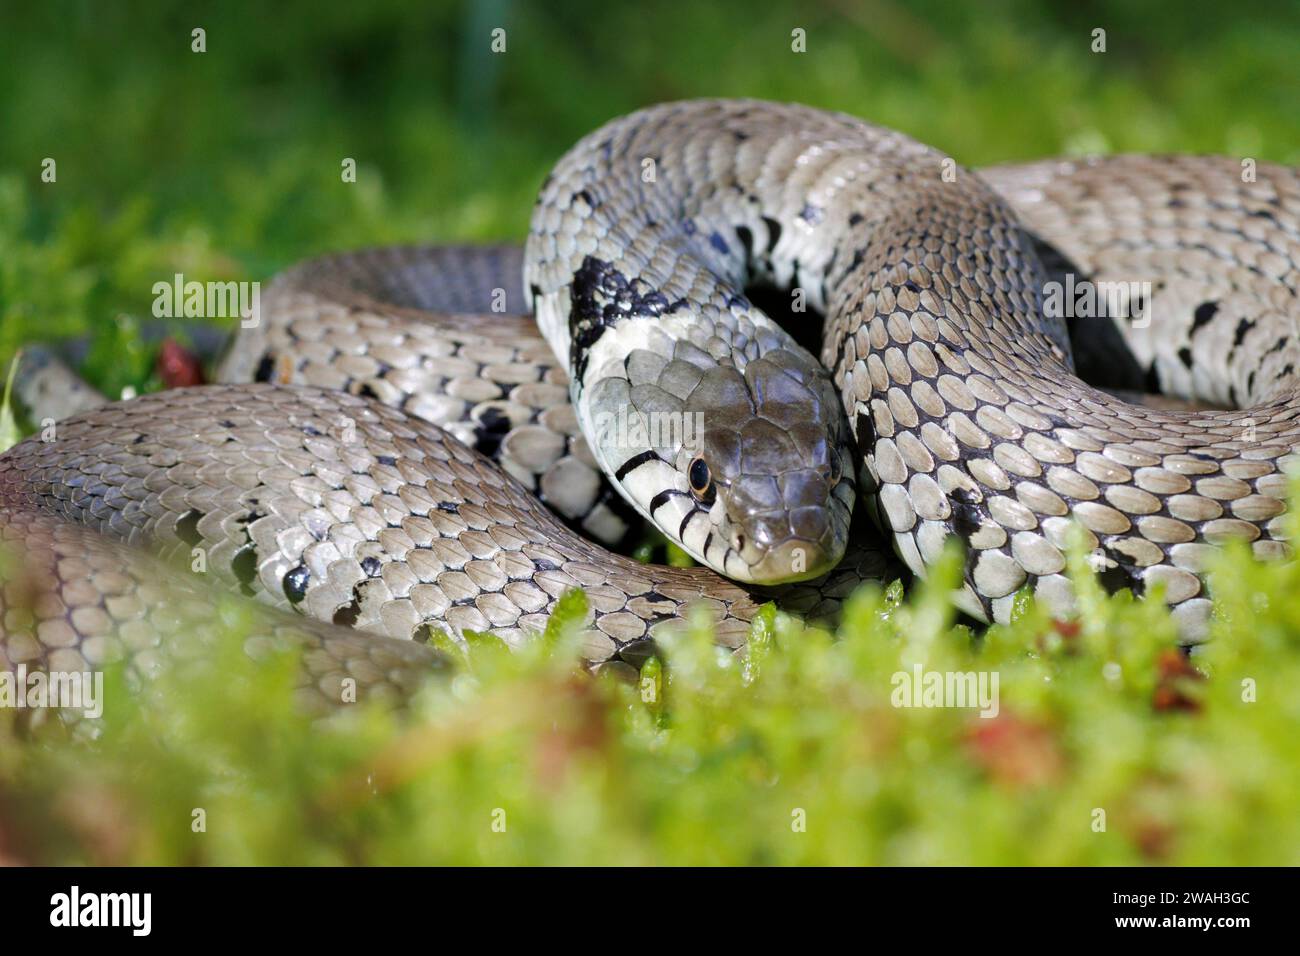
(347, 615)
(187, 527)
(265, 368)
(244, 565)
(490, 430)
(295, 583)
(1203, 315)
(601, 297)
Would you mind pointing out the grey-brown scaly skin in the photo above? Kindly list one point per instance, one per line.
(356, 515)
(73, 600)
(442, 333)
(1207, 240)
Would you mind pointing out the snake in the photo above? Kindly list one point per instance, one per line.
(810, 350)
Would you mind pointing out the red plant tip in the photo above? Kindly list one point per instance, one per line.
(1174, 676)
(1015, 752)
(178, 367)
(1067, 629)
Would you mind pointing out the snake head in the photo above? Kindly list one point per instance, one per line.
(748, 469)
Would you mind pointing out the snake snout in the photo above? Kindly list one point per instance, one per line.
(802, 537)
(786, 495)
(791, 558)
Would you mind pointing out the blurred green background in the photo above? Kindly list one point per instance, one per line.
(226, 164)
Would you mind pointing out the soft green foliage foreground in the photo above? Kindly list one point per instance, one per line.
(795, 754)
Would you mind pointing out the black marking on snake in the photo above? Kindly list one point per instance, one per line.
(1243, 327)
(365, 391)
(601, 297)
(187, 527)
(773, 233)
(829, 269)
(545, 564)
(449, 507)
(295, 583)
(864, 435)
(371, 565)
(265, 368)
(661, 499)
(137, 440)
(966, 515)
(244, 565)
(347, 615)
(386, 459)
(720, 244)
(490, 430)
(1203, 315)
(635, 462)
(1117, 576)
(1185, 356)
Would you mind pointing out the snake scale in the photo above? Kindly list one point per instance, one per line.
(397, 447)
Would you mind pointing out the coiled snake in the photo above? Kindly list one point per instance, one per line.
(379, 457)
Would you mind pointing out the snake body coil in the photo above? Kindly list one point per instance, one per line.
(342, 488)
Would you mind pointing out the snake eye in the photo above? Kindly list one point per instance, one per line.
(700, 478)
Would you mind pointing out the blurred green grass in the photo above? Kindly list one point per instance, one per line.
(226, 165)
